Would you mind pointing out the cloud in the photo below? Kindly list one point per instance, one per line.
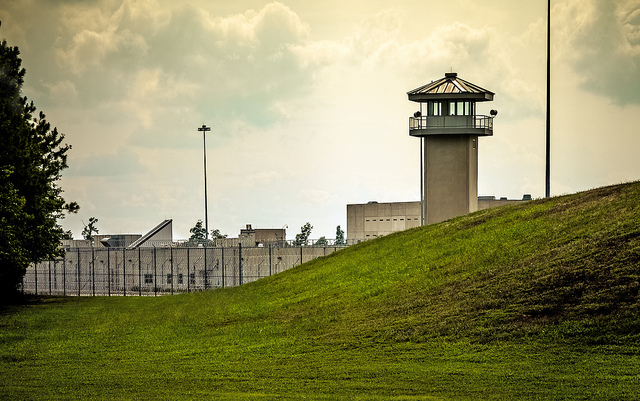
(314, 196)
(63, 91)
(601, 40)
(145, 72)
(122, 163)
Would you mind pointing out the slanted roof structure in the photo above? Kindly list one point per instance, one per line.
(160, 235)
(450, 88)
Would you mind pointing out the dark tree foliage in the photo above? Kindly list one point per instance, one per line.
(198, 233)
(216, 234)
(32, 157)
(340, 236)
(89, 229)
(303, 237)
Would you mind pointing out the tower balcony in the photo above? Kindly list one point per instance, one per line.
(452, 125)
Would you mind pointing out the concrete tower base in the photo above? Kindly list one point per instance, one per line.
(450, 176)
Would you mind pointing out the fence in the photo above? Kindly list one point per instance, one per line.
(161, 270)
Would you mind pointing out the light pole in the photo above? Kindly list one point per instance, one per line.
(204, 130)
(547, 178)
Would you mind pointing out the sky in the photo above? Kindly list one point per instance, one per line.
(307, 102)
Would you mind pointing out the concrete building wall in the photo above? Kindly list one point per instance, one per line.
(450, 176)
(486, 202)
(370, 220)
(264, 236)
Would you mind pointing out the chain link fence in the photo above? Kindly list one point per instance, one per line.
(161, 270)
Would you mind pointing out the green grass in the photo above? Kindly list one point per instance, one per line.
(531, 301)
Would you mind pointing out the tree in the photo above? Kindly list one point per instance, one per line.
(303, 237)
(322, 241)
(32, 158)
(339, 236)
(89, 229)
(215, 233)
(198, 233)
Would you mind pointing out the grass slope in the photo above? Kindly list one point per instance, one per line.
(538, 300)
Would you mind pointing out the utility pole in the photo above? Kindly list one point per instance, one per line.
(204, 130)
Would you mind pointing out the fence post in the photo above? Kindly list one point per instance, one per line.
(171, 256)
(64, 276)
(269, 260)
(78, 278)
(49, 277)
(35, 271)
(124, 272)
(93, 271)
(223, 270)
(205, 267)
(188, 273)
(301, 254)
(240, 262)
(109, 271)
(139, 272)
(155, 272)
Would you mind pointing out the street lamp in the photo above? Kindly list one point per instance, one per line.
(204, 129)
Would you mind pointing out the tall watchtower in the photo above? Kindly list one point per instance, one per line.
(448, 125)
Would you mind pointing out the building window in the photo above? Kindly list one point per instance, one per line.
(474, 143)
(169, 278)
(180, 279)
(148, 278)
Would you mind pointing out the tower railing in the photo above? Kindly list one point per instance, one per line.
(454, 122)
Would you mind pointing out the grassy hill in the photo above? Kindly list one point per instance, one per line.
(530, 301)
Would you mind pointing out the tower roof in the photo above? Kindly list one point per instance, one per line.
(450, 88)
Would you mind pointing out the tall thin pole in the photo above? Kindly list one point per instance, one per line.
(421, 182)
(204, 130)
(547, 190)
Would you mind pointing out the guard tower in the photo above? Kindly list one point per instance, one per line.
(449, 128)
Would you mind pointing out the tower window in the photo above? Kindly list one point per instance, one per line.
(434, 109)
(460, 108)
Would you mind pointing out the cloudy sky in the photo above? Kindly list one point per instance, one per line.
(307, 101)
